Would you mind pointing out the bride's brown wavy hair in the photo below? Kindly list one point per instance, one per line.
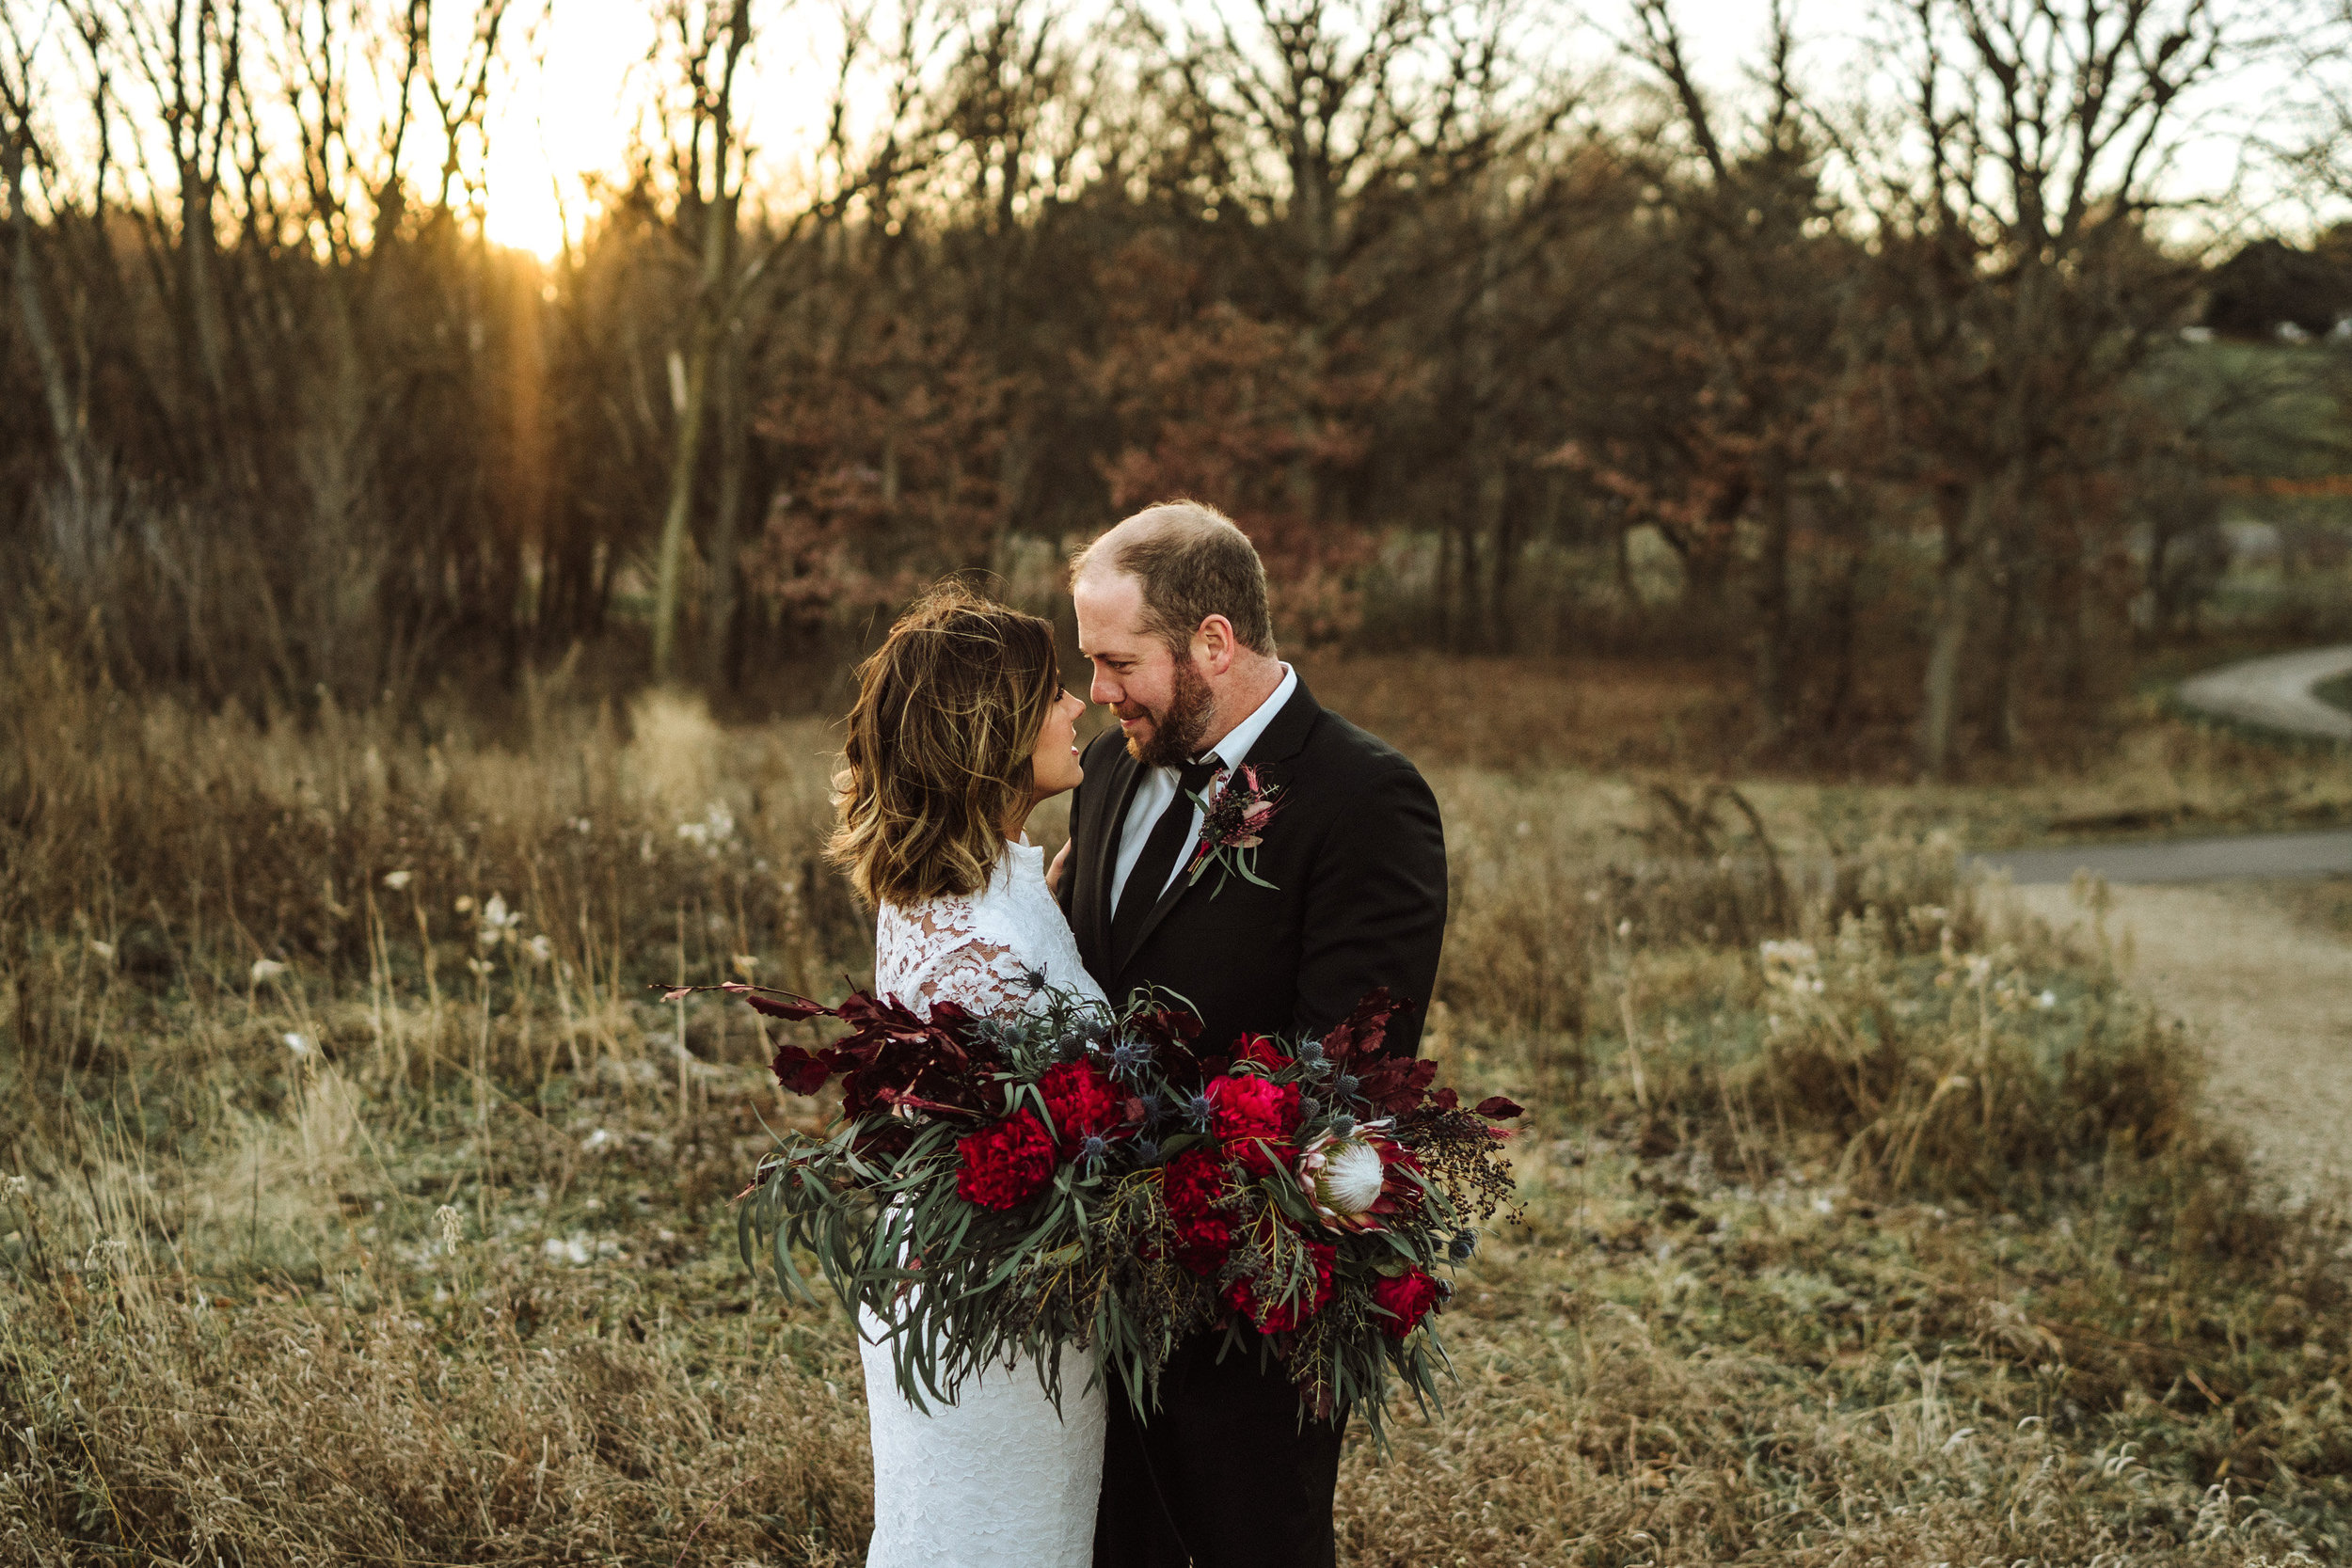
(938, 758)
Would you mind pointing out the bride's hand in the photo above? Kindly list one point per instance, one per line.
(1053, 872)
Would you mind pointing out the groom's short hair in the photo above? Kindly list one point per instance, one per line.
(1192, 561)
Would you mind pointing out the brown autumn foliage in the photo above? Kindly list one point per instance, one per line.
(1495, 356)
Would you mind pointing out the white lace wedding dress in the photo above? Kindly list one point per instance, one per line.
(998, 1480)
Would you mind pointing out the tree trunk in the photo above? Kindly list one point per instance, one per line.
(683, 455)
(1775, 673)
(1940, 723)
(1494, 489)
(2012, 540)
(1839, 620)
(714, 312)
(720, 665)
(200, 304)
(57, 388)
(2001, 721)
(1441, 589)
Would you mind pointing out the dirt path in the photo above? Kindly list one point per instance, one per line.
(2185, 860)
(2270, 991)
(2276, 693)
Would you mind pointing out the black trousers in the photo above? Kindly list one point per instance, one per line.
(1223, 1475)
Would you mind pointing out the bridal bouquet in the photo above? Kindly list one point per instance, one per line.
(997, 1188)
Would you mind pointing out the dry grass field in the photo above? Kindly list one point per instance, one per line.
(362, 1207)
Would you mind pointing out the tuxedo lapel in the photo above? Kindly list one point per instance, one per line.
(1283, 740)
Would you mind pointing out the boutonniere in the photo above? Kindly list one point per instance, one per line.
(1231, 828)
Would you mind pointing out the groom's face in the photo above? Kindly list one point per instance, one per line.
(1163, 703)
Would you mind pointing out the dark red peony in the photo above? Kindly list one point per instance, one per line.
(1407, 1299)
(1281, 1317)
(1083, 1102)
(1254, 1118)
(1005, 1165)
(1193, 1186)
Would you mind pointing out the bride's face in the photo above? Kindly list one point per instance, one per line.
(1054, 765)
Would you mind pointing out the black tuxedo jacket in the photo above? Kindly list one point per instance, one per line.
(1357, 859)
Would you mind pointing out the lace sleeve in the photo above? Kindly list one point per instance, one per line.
(937, 953)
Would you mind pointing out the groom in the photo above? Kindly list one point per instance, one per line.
(1173, 615)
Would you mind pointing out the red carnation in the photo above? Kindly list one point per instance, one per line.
(1281, 1317)
(1004, 1165)
(1254, 1117)
(1193, 1186)
(1407, 1299)
(1083, 1102)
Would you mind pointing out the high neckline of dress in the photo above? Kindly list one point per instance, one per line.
(1027, 859)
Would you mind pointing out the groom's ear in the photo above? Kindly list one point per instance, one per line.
(1213, 645)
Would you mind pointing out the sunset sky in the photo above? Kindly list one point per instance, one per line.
(575, 116)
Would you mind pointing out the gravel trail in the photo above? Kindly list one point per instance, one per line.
(2271, 995)
(2276, 693)
(2186, 859)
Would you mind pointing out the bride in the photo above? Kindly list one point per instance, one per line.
(961, 729)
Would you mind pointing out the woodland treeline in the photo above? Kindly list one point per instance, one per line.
(1881, 397)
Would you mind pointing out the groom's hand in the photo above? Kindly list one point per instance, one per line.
(1053, 872)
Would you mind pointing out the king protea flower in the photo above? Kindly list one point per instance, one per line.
(1355, 1182)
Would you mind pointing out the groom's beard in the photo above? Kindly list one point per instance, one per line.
(1176, 734)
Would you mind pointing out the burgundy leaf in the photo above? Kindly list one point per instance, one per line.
(1499, 1108)
(803, 1072)
(1363, 1031)
(791, 1012)
(1396, 1084)
(1167, 1026)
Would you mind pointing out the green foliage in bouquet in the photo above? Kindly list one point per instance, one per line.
(1084, 1176)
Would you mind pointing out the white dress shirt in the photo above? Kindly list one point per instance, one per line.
(1159, 787)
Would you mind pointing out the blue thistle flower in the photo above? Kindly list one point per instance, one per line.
(1033, 980)
(1147, 1151)
(1464, 1243)
(1095, 1150)
(1310, 1052)
(1154, 1108)
(1309, 1108)
(1347, 1085)
(1130, 1057)
(1342, 1126)
(1199, 1108)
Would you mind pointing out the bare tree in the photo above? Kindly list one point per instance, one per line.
(2020, 282)
(713, 39)
(1755, 241)
(707, 155)
(2323, 156)
(20, 151)
(1329, 127)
